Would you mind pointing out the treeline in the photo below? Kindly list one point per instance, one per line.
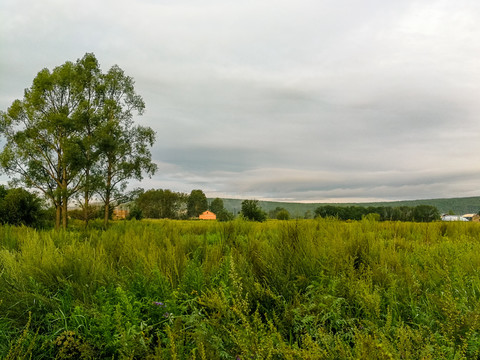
(419, 213)
(20, 207)
(167, 204)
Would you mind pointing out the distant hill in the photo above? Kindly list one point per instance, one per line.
(458, 206)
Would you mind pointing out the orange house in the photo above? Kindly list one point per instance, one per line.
(119, 214)
(207, 215)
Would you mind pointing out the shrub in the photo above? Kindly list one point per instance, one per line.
(251, 211)
(20, 207)
(224, 215)
(283, 215)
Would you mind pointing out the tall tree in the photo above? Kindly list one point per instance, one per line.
(88, 119)
(41, 147)
(73, 132)
(124, 147)
(216, 206)
(197, 203)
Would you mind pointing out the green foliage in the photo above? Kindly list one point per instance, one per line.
(197, 203)
(92, 212)
(224, 215)
(219, 210)
(425, 213)
(216, 206)
(279, 213)
(252, 211)
(70, 345)
(420, 213)
(459, 206)
(135, 213)
(294, 289)
(283, 215)
(124, 148)
(73, 133)
(161, 204)
(20, 207)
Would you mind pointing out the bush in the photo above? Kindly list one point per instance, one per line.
(135, 213)
(283, 215)
(19, 207)
(251, 211)
(224, 215)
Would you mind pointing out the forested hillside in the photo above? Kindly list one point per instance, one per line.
(454, 205)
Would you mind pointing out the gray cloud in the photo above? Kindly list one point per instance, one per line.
(301, 100)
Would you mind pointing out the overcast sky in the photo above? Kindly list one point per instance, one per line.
(305, 100)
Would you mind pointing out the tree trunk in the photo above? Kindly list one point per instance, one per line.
(86, 210)
(58, 216)
(64, 201)
(87, 177)
(64, 213)
(107, 212)
(107, 195)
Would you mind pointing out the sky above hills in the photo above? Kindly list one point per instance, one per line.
(302, 100)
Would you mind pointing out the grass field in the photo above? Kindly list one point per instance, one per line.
(306, 289)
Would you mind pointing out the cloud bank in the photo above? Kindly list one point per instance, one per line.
(284, 100)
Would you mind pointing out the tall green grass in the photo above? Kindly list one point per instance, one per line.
(300, 289)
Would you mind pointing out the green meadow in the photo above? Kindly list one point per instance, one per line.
(297, 289)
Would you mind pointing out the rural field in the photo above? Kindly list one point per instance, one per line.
(297, 289)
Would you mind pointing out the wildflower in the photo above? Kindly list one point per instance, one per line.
(158, 303)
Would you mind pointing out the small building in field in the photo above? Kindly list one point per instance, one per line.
(119, 214)
(453, 218)
(207, 215)
(472, 217)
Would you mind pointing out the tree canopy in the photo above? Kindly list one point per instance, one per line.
(419, 213)
(197, 203)
(73, 135)
(160, 204)
(216, 206)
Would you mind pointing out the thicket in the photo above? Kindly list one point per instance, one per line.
(297, 289)
(419, 213)
(20, 207)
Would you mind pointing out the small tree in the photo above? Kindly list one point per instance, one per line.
(279, 211)
(224, 215)
(252, 211)
(216, 206)
(283, 215)
(135, 213)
